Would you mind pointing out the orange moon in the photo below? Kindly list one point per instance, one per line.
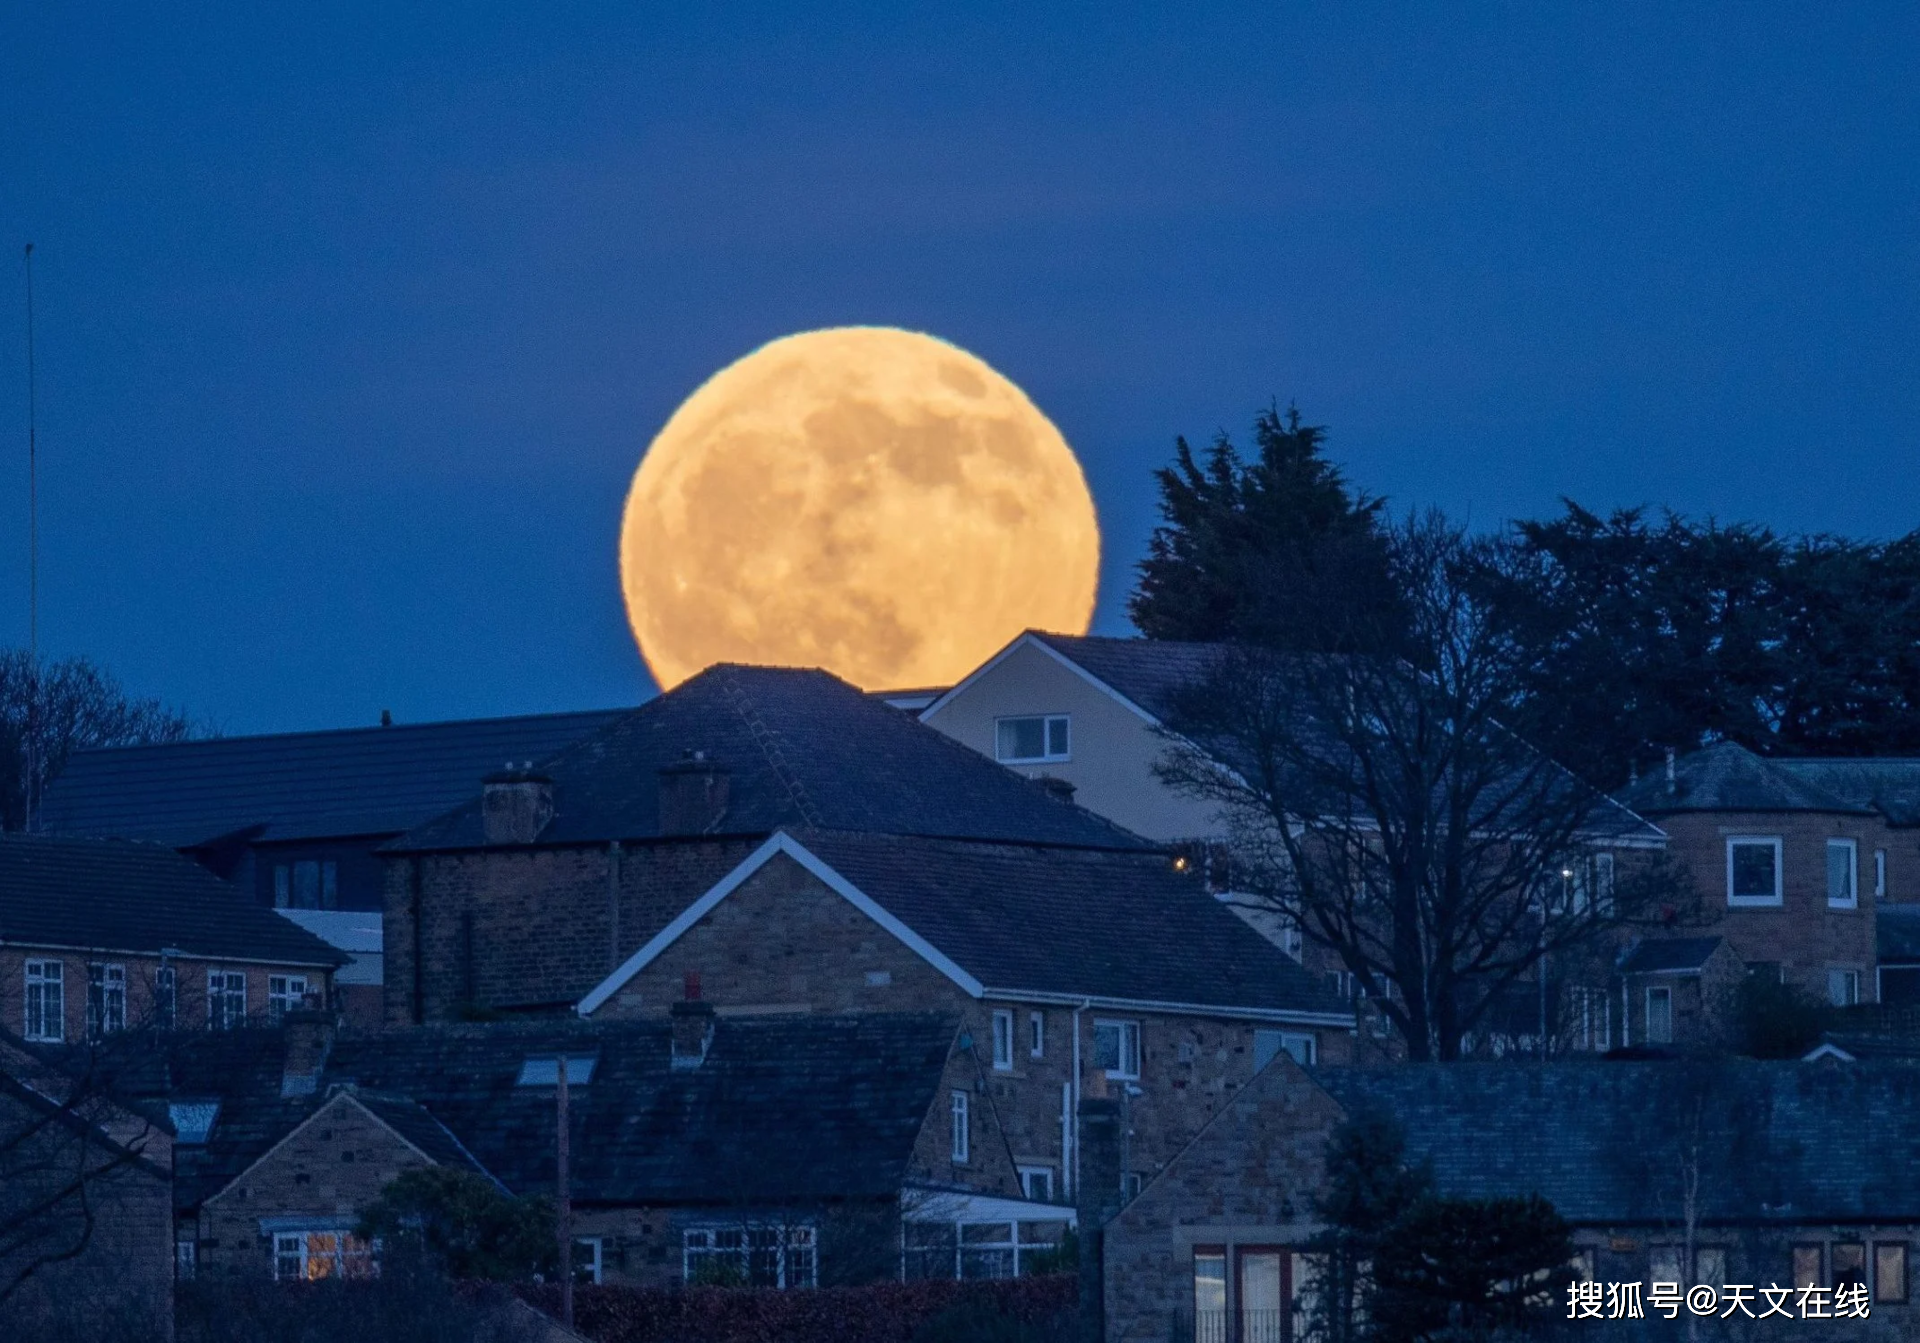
(876, 502)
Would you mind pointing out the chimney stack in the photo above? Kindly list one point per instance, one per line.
(515, 805)
(1097, 1187)
(692, 1026)
(693, 794)
(1058, 788)
(309, 1036)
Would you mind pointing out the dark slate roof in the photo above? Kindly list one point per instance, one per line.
(118, 895)
(802, 749)
(1670, 955)
(1897, 933)
(415, 1123)
(1103, 925)
(298, 785)
(1150, 672)
(1888, 785)
(1728, 777)
(1604, 1141)
(840, 1100)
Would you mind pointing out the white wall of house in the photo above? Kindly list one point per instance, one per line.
(1111, 746)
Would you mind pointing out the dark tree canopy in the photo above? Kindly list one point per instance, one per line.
(1255, 551)
(49, 711)
(465, 1224)
(1642, 634)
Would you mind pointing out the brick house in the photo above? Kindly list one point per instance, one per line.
(795, 1150)
(543, 882)
(85, 1207)
(293, 819)
(1790, 873)
(1070, 967)
(103, 936)
(1798, 1176)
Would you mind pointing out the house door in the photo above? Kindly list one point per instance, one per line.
(1263, 1296)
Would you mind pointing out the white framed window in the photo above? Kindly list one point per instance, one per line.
(284, 994)
(106, 1000)
(1843, 874)
(226, 1000)
(588, 1258)
(186, 1258)
(1843, 988)
(165, 998)
(1753, 870)
(1036, 1035)
(1036, 1182)
(962, 1130)
(1269, 1045)
(1879, 874)
(308, 1256)
(1116, 1048)
(1031, 740)
(1591, 879)
(783, 1256)
(46, 1005)
(1659, 1016)
(1590, 1019)
(1003, 1040)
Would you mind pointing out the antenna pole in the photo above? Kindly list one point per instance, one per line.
(33, 563)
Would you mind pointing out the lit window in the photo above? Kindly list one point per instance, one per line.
(1660, 1016)
(1843, 988)
(962, 1135)
(1753, 870)
(226, 1000)
(1843, 886)
(1116, 1047)
(750, 1256)
(46, 1001)
(308, 1256)
(106, 999)
(284, 994)
(1890, 1271)
(1003, 1040)
(543, 1070)
(1037, 1034)
(1029, 740)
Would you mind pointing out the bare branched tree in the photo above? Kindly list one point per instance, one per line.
(1376, 801)
(50, 710)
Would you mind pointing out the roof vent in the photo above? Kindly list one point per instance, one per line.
(515, 805)
(693, 794)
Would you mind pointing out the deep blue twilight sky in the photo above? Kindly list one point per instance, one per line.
(353, 326)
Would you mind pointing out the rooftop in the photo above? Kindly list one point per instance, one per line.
(802, 749)
(124, 896)
(1728, 777)
(296, 785)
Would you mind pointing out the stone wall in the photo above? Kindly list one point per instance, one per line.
(190, 987)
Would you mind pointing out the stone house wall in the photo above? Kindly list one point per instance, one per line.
(782, 941)
(328, 1169)
(190, 987)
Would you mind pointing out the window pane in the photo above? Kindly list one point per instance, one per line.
(1106, 1045)
(1660, 1016)
(282, 887)
(306, 885)
(1849, 1263)
(1890, 1272)
(1839, 873)
(1807, 1266)
(1663, 1263)
(1710, 1266)
(1209, 1282)
(329, 885)
(1057, 736)
(1022, 738)
(1753, 872)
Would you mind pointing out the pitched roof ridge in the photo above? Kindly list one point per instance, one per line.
(768, 742)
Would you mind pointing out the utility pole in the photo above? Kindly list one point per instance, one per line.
(32, 781)
(563, 1201)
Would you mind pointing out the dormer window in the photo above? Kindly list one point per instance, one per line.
(1039, 739)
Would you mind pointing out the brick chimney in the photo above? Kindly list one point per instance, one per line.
(1097, 1194)
(515, 805)
(1058, 788)
(693, 794)
(692, 1026)
(309, 1036)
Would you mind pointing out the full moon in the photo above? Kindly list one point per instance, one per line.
(872, 501)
